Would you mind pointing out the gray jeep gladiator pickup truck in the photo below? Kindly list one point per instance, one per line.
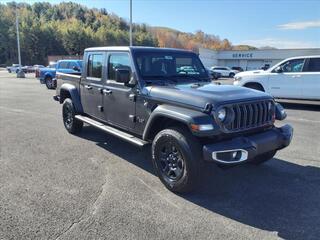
(165, 97)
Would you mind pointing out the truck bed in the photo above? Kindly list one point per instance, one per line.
(72, 79)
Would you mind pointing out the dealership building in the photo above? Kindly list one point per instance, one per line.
(252, 59)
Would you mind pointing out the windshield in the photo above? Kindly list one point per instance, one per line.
(175, 66)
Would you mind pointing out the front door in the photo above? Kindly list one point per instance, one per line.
(92, 84)
(118, 99)
(287, 84)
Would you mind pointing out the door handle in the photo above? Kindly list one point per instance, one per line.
(88, 87)
(106, 91)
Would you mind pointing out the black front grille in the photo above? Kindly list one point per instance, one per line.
(250, 115)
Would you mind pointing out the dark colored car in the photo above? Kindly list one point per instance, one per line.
(265, 67)
(141, 95)
(240, 69)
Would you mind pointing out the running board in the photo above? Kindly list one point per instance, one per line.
(113, 131)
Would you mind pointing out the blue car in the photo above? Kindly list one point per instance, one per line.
(47, 75)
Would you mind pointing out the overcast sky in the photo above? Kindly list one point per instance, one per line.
(281, 23)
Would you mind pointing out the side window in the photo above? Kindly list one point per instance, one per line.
(94, 69)
(71, 65)
(63, 65)
(294, 65)
(117, 60)
(313, 66)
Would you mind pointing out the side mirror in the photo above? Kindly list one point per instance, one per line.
(76, 68)
(278, 69)
(122, 75)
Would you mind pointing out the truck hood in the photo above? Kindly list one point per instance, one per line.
(199, 94)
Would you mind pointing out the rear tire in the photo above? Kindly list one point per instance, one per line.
(263, 158)
(231, 75)
(49, 83)
(177, 159)
(72, 124)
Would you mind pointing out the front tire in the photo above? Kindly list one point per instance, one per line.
(49, 82)
(176, 157)
(72, 124)
(231, 75)
(263, 157)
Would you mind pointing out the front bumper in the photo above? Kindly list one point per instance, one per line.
(243, 149)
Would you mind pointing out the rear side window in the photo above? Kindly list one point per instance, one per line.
(117, 60)
(63, 65)
(95, 65)
(314, 65)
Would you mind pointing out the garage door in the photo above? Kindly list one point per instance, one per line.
(255, 64)
(232, 63)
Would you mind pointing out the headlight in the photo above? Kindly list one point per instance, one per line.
(222, 113)
(237, 78)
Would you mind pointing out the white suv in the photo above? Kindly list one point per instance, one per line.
(225, 71)
(297, 78)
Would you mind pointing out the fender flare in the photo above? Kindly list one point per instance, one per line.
(254, 82)
(183, 115)
(47, 74)
(69, 89)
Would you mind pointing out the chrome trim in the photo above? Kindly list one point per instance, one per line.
(244, 156)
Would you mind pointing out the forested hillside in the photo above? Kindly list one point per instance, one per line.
(69, 28)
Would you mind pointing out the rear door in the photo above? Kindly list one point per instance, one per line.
(287, 84)
(118, 99)
(91, 84)
(310, 78)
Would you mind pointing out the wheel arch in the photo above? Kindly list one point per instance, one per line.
(254, 83)
(165, 116)
(69, 91)
(47, 74)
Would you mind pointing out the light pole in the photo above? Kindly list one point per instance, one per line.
(20, 73)
(130, 34)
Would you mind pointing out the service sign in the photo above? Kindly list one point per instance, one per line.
(242, 55)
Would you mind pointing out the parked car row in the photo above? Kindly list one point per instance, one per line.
(26, 69)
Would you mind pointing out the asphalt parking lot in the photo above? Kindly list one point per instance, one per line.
(93, 186)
